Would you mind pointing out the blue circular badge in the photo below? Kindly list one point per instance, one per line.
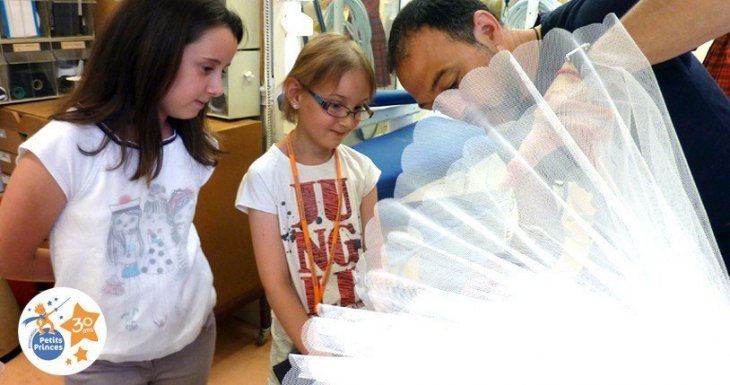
(48, 345)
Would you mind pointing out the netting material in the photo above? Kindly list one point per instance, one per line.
(565, 243)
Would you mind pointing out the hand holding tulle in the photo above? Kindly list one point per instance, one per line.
(566, 116)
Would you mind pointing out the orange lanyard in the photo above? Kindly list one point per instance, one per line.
(317, 285)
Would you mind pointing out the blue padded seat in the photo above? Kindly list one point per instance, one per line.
(386, 151)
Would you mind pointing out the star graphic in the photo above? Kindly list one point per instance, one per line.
(68, 361)
(81, 325)
(81, 354)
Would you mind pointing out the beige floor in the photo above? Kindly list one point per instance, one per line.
(237, 360)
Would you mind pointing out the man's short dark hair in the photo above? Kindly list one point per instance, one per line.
(454, 17)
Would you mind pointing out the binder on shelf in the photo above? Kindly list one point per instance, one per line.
(71, 17)
(30, 70)
(20, 18)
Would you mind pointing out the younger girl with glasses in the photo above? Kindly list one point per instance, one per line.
(309, 197)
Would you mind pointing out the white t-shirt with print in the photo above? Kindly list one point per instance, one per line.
(130, 246)
(268, 187)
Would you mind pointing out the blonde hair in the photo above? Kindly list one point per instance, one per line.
(325, 59)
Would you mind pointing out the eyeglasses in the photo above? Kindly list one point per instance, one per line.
(339, 111)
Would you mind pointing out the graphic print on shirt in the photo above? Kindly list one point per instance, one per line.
(320, 210)
(124, 251)
(162, 224)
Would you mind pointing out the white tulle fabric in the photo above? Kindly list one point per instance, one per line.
(565, 242)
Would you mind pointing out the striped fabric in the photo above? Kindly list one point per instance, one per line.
(717, 62)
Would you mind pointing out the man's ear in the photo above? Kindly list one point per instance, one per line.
(487, 30)
(293, 91)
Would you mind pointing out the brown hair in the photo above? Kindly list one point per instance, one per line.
(325, 59)
(132, 65)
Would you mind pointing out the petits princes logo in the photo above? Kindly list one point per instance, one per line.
(62, 331)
